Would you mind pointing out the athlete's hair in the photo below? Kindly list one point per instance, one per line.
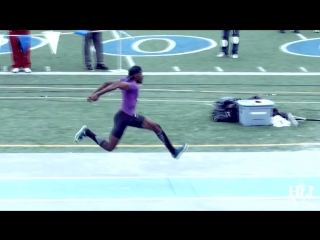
(134, 70)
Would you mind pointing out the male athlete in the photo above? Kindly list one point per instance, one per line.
(225, 43)
(126, 116)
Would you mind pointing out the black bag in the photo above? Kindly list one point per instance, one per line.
(226, 110)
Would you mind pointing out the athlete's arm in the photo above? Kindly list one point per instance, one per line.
(113, 86)
(104, 85)
(119, 84)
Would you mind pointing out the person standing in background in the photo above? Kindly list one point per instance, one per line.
(19, 58)
(225, 43)
(96, 38)
(294, 31)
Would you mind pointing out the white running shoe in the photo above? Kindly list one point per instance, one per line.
(180, 150)
(81, 134)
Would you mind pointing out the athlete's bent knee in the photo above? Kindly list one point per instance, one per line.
(158, 128)
(106, 146)
(148, 124)
(110, 149)
(155, 127)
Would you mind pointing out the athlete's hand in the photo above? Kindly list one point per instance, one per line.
(93, 98)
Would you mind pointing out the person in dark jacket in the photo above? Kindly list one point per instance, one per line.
(225, 43)
(96, 37)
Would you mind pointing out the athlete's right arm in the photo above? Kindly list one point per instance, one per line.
(104, 85)
(119, 84)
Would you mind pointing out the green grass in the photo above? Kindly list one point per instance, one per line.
(180, 104)
(185, 116)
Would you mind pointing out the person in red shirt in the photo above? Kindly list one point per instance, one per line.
(19, 58)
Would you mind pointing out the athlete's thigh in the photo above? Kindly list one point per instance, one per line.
(137, 121)
(151, 125)
(120, 124)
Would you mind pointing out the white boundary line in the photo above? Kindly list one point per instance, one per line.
(261, 69)
(155, 199)
(177, 69)
(158, 177)
(128, 58)
(283, 47)
(303, 69)
(301, 36)
(145, 100)
(122, 73)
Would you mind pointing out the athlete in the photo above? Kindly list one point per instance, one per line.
(126, 116)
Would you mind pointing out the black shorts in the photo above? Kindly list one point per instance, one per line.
(123, 120)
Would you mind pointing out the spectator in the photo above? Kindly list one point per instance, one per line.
(225, 43)
(20, 59)
(96, 38)
(294, 31)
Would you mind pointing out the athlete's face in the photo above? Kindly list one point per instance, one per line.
(139, 77)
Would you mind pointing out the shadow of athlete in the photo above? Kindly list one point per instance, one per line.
(126, 116)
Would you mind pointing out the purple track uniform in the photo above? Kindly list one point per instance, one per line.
(127, 116)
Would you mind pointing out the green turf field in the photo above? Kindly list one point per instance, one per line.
(42, 111)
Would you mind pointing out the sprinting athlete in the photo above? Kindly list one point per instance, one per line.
(126, 116)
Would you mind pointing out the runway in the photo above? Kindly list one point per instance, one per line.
(156, 181)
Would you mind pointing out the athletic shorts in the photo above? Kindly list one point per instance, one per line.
(123, 120)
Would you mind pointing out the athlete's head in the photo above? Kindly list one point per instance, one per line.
(135, 73)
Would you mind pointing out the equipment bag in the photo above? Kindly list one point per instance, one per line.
(226, 110)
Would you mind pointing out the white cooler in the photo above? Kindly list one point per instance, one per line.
(256, 112)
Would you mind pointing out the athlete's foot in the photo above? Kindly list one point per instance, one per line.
(180, 150)
(81, 134)
(235, 56)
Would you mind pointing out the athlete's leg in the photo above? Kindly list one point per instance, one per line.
(150, 125)
(175, 152)
(139, 121)
(119, 127)
(106, 145)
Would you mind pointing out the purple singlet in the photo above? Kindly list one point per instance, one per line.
(130, 97)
